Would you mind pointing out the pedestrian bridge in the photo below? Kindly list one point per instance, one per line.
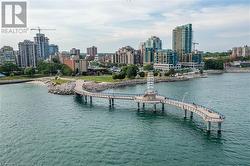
(207, 114)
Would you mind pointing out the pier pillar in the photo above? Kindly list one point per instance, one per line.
(162, 107)
(109, 102)
(90, 100)
(219, 127)
(154, 107)
(143, 106)
(138, 105)
(86, 99)
(208, 126)
(78, 95)
(185, 114)
(191, 115)
(113, 102)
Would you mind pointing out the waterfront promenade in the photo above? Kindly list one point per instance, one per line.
(208, 115)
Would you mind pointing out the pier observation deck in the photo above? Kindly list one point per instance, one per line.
(152, 97)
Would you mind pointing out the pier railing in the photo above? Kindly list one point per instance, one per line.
(208, 114)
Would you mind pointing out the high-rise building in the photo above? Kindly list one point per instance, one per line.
(127, 55)
(166, 57)
(77, 65)
(105, 57)
(240, 52)
(75, 51)
(149, 48)
(42, 43)
(27, 54)
(91, 53)
(165, 60)
(53, 49)
(182, 41)
(142, 50)
(245, 51)
(7, 55)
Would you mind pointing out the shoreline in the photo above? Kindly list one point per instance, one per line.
(228, 70)
(5, 82)
(97, 87)
(68, 88)
(237, 70)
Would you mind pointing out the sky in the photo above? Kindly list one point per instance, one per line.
(218, 25)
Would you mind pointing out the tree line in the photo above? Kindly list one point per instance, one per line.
(43, 68)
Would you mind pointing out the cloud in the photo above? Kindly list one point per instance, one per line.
(113, 24)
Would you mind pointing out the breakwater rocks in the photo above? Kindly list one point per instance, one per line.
(68, 88)
(63, 89)
(237, 70)
(96, 87)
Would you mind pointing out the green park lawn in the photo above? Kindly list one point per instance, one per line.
(60, 81)
(21, 77)
(103, 78)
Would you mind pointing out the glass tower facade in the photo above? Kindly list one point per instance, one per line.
(152, 45)
(166, 57)
(182, 41)
(42, 43)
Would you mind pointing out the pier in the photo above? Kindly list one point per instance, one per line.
(152, 97)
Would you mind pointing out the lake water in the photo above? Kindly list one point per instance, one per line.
(37, 128)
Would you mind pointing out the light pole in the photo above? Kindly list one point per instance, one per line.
(184, 95)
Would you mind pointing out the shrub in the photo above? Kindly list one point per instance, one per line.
(156, 73)
(141, 74)
(12, 74)
(118, 76)
(30, 71)
(148, 67)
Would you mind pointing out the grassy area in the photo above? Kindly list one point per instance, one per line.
(21, 77)
(15, 78)
(59, 81)
(98, 79)
(104, 78)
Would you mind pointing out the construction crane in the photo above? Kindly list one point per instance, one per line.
(194, 43)
(41, 29)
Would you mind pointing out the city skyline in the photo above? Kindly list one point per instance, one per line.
(109, 25)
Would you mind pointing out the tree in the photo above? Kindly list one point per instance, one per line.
(141, 74)
(43, 67)
(55, 60)
(8, 68)
(148, 67)
(118, 76)
(201, 71)
(156, 73)
(170, 72)
(216, 54)
(66, 70)
(132, 71)
(214, 64)
(30, 71)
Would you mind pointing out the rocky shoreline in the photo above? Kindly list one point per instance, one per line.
(229, 70)
(237, 70)
(97, 87)
(68, 88)
(63, 89)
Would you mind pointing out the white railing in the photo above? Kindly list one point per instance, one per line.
(206, 113)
